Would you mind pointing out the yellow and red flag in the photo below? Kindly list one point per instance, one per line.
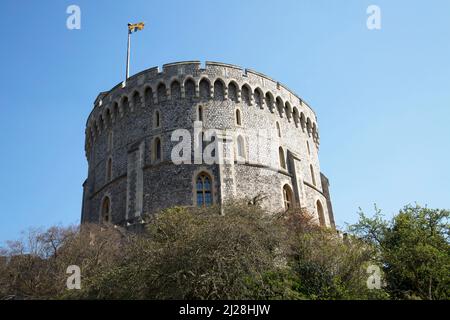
(134, 27)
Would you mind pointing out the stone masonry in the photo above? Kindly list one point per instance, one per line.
(269, 134)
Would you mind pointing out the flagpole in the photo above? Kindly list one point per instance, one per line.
(128, 56)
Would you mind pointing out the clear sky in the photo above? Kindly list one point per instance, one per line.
(382, 97)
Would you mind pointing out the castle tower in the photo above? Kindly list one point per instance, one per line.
(193, 136)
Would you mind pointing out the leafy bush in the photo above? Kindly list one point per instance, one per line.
(245, 253)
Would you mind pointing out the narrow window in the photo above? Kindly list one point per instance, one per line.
(313, 178)
(158, 149)
(204, 190)
(157, 152)
(200, 113)
(320, 213)
(287, 197)
(238, 117)
(307, 146)
(278, 130)
(109, 170)
(106, 207)
(157, 120)
(282, 160)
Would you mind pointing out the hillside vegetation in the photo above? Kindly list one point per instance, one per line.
(246, 253)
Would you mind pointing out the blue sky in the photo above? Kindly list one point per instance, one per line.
(382, 97)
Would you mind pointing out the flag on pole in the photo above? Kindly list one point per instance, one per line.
(134, 27)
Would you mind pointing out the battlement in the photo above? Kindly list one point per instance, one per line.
(194, 68)
(189, 78)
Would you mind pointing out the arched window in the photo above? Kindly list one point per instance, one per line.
(148, 95)
(302, 121)
(125, 104)
(246, 95)
(280, 106)
(156, 119)
(219, 91)
(109, 170)
(232, 92)
(106, 210)
(204, 190)
(175, 90)
(240, 148)
(204, 89)
(287, 110)
(287, 197)
(200, 113)
(278, 130)
(258, 98)
(189, 89)
(269, 100)
(157, 149)
(296, 117)
(313, 178)
(238, 117)
(314, 132)
(309, 126)
(136, 99)
(115, 110)
(162, 92)
(281, 156)
(320, 213)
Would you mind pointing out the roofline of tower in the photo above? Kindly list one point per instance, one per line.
(156, 69)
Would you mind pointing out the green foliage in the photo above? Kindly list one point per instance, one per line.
(328, 267)
(413, 249)
(196, 254)
(242, 253)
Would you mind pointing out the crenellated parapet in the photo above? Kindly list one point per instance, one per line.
(189, 80)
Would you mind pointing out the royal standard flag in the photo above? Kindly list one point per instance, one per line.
(135, 27)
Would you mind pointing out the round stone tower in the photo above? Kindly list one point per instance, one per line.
(197, 136)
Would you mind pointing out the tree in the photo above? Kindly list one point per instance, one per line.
(243, 252)
(325, 265)
(197, 254)
(413, 249)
